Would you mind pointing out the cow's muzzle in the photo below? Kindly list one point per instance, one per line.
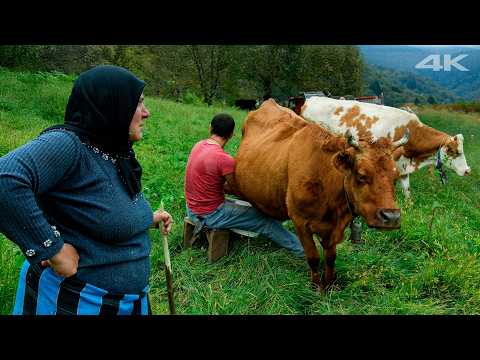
(388, 218)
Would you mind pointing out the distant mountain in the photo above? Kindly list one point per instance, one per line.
(464, 84)
(400, 87)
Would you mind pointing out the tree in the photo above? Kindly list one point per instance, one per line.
(334, 68)
(411, 83)
(238, 82)
(431, 100)
(71, 59)
(335, 59)
(210, 62)
(62, 58)
(314, 69)
(273, 69)
(212, 71)
(169, 70)
(19, 56)
(376, 88)
(352, 69)
(396, 89)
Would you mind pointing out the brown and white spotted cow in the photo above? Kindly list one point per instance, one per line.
(290, 168)
(425, 145)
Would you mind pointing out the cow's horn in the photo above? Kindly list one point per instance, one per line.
(403, 140)
(351, 140)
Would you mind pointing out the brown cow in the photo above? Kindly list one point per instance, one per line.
(290, 168)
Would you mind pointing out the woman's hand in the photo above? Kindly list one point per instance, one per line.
(65, 262)
(166, 218)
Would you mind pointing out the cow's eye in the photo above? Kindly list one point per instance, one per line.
(362, 178)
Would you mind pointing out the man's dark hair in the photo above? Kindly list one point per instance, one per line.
(223, 125)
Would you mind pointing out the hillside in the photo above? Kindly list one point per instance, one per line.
(465, 84)
(429, 266)
(400, 87)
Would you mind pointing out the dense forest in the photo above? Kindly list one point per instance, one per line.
(400, 87)
(208, 73)
(225, 73)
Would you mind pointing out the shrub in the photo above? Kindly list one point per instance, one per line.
(191, 98)
(466, 107)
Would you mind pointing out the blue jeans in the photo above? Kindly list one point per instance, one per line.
(230, 215)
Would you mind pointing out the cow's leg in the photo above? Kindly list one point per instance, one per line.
(329, 244)
(405, 184)
(311, 253)
(330, 254)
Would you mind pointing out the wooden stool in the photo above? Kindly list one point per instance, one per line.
(218, 239)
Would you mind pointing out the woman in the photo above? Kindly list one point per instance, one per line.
(71, 200)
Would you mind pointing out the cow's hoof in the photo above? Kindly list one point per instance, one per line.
(316, 282)
(329, 286)
(318, 287)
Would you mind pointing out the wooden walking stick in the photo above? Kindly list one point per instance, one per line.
(168, 270)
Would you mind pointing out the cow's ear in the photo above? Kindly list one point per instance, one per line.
(343, 160)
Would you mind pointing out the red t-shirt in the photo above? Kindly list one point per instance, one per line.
(204, 177)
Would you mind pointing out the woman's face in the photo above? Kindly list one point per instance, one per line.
(138, 120)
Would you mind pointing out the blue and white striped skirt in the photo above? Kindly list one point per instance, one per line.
(42, 292)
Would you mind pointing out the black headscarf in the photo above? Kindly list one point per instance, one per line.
(99, 111)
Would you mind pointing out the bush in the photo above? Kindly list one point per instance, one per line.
(466, 107)
(191, 98)
(19, 56)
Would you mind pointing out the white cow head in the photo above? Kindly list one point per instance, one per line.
(453, 156)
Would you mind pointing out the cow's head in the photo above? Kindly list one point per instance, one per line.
(369, 182)
(453, 157)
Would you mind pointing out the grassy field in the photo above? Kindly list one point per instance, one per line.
(408, 271)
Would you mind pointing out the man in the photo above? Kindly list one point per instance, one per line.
(209, 175)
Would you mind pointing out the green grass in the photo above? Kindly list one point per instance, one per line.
(465, 107)
(407, 271)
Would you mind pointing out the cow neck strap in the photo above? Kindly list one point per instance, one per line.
(347, 198)
(439, 165)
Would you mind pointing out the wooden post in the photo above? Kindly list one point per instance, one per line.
(188, 228)
(217, 244)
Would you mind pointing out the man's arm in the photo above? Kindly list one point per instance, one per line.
(227, 168)
(230, 186)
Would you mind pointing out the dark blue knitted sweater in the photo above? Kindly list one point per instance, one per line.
(55, 189)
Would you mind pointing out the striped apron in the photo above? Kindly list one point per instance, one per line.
(42, 292)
